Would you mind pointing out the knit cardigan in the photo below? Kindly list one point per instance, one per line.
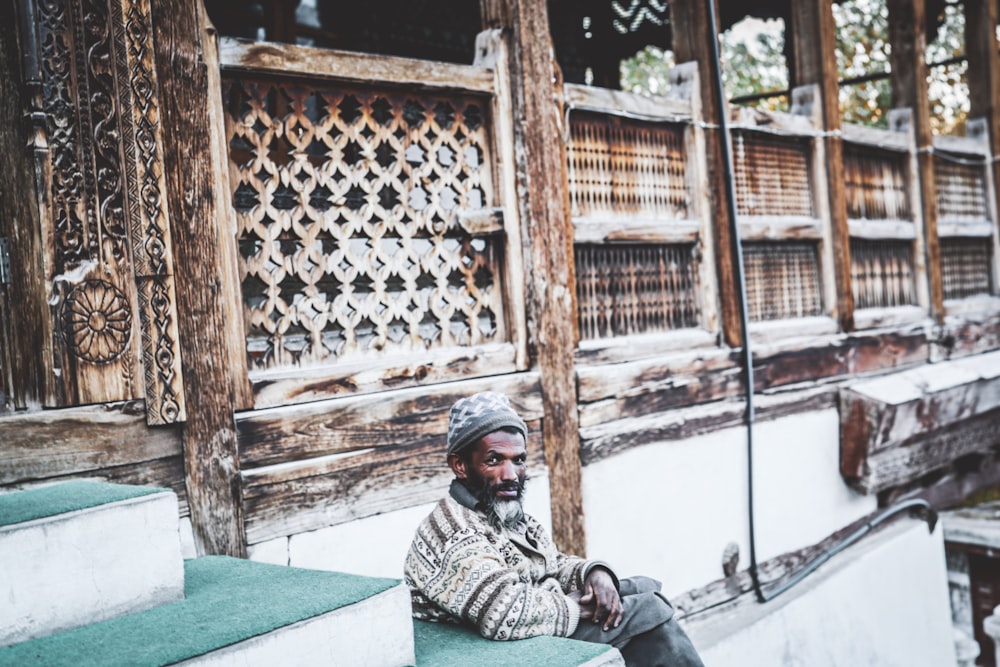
(462, 569)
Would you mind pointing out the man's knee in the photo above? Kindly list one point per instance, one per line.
(666, 645)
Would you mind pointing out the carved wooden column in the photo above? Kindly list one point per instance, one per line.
(194, 194)
(540, 155)
(909, 89)
(692, 35)
(816, 62)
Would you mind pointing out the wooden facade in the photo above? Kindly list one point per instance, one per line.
(259, 273)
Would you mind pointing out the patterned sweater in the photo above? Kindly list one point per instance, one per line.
(510, 586)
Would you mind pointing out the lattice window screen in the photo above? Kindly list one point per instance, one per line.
(876, 185)
(882, 273)
(782, 280)
(631, 289)
(627, 167)
(346, 200)
(771, 174)
(967, 267)
(961, 190)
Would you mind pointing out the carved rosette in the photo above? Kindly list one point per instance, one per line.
(97, 321)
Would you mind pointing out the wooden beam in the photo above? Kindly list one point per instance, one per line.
(816, 63)
(907, 39)
(540, 156)
(211, 460)
(692, 42)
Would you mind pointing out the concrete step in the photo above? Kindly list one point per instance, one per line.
(80, 552)
(238, 612)
(445, 645)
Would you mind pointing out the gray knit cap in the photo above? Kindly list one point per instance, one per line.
(474, 416)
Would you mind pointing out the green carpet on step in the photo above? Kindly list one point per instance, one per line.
(445, 645)
(21, 506)
(228, 600)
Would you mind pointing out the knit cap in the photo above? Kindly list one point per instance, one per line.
(474, 416)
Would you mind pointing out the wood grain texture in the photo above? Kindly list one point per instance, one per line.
(540, 155)
(210, 444)
(909, 89)
(349, 66)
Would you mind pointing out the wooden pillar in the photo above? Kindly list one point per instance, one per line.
(907, 40)
(981, 18)
(540, 156)
(692, 35)
(191, 154)
(815, 62)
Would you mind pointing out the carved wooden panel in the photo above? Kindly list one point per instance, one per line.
(876, 185)
(882, 273)
(111, 285)
(782, 280)
(961, 190)
(967, 266)
(771, 174)
(632, 289)
(628, 168)
(349, 202)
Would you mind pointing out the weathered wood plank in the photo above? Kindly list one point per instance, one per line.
(877, 137)
(433, 367)
(377, 420)
(927, 452)
(609, 101)
(882, 229)
(210, 445)
(975, 333)
(787, 228)
(772, 121)
(642, 346)
(594, 230)
(292, 59)
(611, 438)
(540, 156)
(37, 446)
(285, 500)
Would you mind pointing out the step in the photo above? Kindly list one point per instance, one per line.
(79, 552)
(238, 612)
(445, 645)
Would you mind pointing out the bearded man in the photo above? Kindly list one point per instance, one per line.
(479, 559)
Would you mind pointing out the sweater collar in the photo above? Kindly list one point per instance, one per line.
(463, 496)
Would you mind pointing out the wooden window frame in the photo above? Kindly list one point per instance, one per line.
(682, 109)
(290, 385)
(898, 138)
(975, 145)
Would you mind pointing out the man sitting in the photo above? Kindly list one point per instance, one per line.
(479, 559)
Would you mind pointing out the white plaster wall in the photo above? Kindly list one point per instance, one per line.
(667, 510)
(376, 546)
(884, 602)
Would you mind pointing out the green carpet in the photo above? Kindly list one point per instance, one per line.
(21, 506)
(443, 645)
(228, 600)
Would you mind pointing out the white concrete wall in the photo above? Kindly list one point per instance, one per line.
(667, 510)
(883, 602)
(375, 546)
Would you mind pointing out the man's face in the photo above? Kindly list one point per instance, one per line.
(494, 470)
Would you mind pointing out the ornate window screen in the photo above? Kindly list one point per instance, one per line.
(961, 190)
(882, 273)
(967, 267)
(624, 167)
(772, 174)
(876, 184)
(782, 280)
(347, 201)
(632, 289)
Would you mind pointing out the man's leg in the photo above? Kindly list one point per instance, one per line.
(648, 635)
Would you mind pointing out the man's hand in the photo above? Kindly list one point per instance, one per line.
(600, 600)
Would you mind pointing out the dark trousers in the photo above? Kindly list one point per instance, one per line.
(648, 635)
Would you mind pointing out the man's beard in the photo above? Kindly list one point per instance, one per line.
(501, 513)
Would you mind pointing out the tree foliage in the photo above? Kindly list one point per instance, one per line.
(753, 61)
